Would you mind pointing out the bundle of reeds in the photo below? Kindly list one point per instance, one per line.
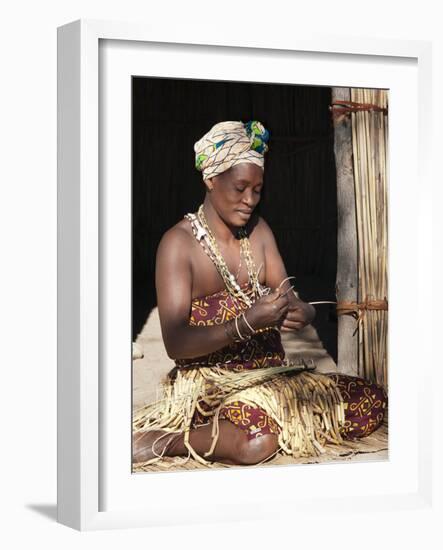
(370, 151)
(307, 407)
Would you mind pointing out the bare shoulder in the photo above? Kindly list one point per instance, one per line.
(177, 241)
(260, 230)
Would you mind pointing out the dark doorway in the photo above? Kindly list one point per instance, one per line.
(299, 200)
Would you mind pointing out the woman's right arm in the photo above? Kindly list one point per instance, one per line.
(173, 280)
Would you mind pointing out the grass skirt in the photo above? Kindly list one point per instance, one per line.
(307, 407)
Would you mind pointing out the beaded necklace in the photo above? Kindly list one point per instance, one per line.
(207, 240)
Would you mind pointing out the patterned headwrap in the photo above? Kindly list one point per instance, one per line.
(230, 143)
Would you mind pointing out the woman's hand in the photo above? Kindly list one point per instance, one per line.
(299, 315)
(268, 310)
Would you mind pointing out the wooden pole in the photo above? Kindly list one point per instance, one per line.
(347, 260)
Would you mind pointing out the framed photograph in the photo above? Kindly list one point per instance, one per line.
(325, 117)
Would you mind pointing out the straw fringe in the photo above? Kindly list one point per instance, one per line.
(307, 407)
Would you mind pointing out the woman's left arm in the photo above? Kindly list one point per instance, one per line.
(300, 313)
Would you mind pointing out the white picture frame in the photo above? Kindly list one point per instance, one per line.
(84, 399)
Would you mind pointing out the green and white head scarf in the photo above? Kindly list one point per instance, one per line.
(230, 143)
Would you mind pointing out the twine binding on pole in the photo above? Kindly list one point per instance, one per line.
(344, 108)
(358, 310)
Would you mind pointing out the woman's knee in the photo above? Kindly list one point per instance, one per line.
(253, 451)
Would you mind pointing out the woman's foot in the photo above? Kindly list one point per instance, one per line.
(233, 447)
(148, 445)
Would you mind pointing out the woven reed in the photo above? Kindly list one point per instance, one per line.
(370, 153)
(307, 407)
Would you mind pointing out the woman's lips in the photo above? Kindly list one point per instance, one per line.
(245, 213)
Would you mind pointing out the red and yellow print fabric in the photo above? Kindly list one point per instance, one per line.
(263, 350)
(365, 405)
(253, 420)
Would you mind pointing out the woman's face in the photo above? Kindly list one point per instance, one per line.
(235, 193)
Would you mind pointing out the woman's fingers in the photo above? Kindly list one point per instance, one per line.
(287, 325)
(280, 299)
(279, 304)
(296, 314)
(282, 306)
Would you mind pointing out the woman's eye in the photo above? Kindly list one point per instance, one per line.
(257, 191)
(239, 189)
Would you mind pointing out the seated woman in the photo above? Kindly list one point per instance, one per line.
(232, 397)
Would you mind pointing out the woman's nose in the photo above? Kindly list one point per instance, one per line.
(250, 200)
